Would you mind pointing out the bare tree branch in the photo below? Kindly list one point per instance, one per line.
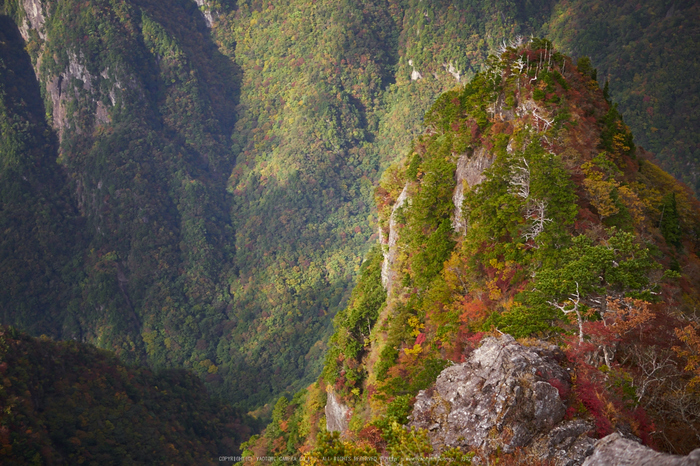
(574, 306)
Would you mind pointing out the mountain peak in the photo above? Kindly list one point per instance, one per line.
(525, 209)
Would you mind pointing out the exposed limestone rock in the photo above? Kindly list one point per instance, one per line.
(337, 414)
(617, 450)
(77, 70)
(503, 397)
(568, 444)
(389, 247)
(61, 89)
(34, 19)
(450, 68)
(469, 173)
(102, 115)
(415, 75)
(57, 88)
(209, 15)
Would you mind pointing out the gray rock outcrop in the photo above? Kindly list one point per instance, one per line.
(62, 90)
(504, 397)
(469, 173)
(33, 19)
(568, 444)
(337, 414)
(389, 247)
(209, 15)
(617, 450)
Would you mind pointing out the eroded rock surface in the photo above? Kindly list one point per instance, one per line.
(568, 444)
(389, 247)
(469, 173)
(504, 397)
(617, 450)
(33, 19)
(337, 414)
(209, 15)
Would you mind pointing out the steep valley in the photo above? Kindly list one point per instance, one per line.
(203, 186)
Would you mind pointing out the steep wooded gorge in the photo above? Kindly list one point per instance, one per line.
(195, 185)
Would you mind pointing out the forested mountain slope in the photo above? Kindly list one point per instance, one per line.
(40, 225)
(646, 50)
(70, 403)
(524, 209)
(144, 122)
(327, 100)
(212, 201)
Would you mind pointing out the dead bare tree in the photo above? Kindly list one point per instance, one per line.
(547, 123)
(536, 209)
(572, 305)
(536, 212)
(655, 369)
(520, 179)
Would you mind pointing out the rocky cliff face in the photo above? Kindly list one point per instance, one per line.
(506, 396)
(34, 19)
(74, 87)
(209, 14)
(64, 90)
(337, 414)
(469, 173)
(389, 245)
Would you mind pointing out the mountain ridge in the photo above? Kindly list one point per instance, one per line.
(570, 236)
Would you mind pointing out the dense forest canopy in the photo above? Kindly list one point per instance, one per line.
(69, 403)
(192, 186)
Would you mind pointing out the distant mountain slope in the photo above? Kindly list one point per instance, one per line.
(70, 403)
(143, 106)
(647, 50)
(39, 223)
(332, 92)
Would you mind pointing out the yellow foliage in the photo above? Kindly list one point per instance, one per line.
(601, 187)
(600, 193)
(691, 353)
(635, 205)
(416, 325)
(494, 291)
(415, 351)
(618, 144)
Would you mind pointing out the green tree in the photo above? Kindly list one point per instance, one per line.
(670, 221)
(588, 273)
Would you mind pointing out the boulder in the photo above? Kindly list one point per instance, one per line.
(617, 450)
(505, 396)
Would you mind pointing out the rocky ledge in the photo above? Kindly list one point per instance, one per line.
(615, 449)
(508, 396)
